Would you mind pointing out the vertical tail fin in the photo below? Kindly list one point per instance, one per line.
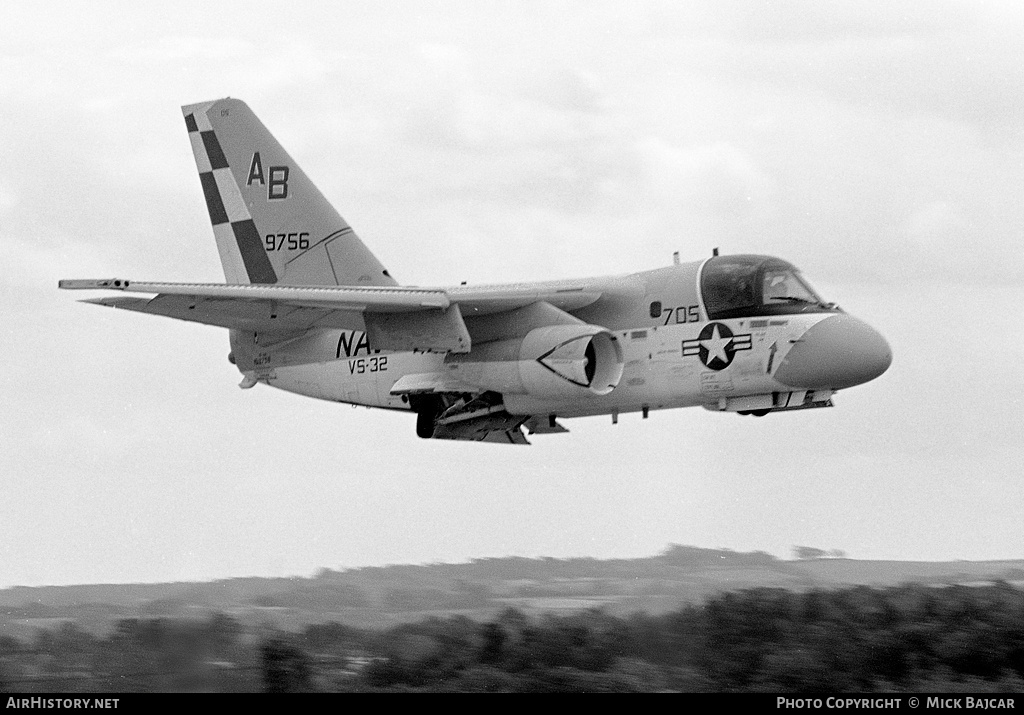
(271, 223)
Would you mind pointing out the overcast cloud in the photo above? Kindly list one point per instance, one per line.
(877, 145)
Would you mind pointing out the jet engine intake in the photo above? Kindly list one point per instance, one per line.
(587, 356)
(553, 361)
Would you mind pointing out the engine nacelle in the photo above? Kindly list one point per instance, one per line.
(550, 362)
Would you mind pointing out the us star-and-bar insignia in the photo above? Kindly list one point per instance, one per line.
(716, 345)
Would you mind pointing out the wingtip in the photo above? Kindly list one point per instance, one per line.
(92, 283)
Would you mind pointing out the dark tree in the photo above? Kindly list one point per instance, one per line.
(494, 642)
(286, 669)
(809, 552)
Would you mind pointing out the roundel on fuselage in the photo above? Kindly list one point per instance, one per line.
(716, 345)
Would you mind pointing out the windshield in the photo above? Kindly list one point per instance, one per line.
(786, 285)
(745, 285)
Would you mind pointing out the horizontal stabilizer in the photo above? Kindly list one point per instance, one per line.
(124, 302)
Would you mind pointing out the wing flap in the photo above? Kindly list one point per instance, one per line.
(429, 383)
(443, 330)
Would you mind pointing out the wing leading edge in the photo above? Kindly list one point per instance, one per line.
(395, 318)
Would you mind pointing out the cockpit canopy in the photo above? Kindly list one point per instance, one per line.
(746, 285)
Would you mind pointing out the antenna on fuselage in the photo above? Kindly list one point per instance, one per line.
(675, 258)
(714, 251)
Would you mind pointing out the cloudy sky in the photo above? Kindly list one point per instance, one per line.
(877, 145)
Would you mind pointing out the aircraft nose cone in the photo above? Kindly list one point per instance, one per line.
(840, 351)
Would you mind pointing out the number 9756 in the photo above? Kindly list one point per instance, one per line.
(286, 241)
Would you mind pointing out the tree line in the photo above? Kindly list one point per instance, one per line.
(911, 638)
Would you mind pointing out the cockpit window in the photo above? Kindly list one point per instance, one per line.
(786, 286)
(729, 285)
(741, 286)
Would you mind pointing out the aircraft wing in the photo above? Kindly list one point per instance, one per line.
(395, 318)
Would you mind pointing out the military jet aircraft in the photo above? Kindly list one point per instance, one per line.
(311, 310)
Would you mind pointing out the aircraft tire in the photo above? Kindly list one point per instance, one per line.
(425, 424)
(427, 408)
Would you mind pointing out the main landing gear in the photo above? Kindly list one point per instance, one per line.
(427, 409)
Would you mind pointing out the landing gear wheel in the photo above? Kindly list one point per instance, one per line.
(425, 424)
(427, 408)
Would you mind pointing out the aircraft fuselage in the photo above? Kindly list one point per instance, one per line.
(673, 353)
